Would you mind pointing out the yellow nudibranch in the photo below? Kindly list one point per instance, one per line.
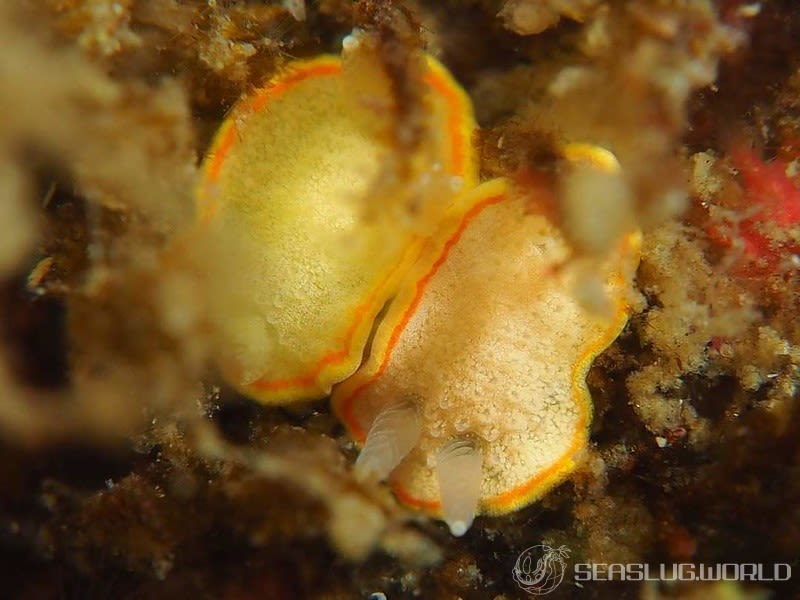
(299, 271)
(472, 396)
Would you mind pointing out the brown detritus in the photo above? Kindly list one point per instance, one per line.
(460, 576)
(398, 44)
(751, 81)
(357, 519)
(515, 147)
(618, 528)
(638, 64)
(527, 17)
(385, 66)
(719, 590)
(450, 34)
(56, 100)
(293, 490)
(218, 48)
(340, 10)
(34, 333)
(128, 150)
(138, 528)
(681, 545)
(101, 29)
(123, 475)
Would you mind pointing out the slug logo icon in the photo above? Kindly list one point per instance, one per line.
(540, 569)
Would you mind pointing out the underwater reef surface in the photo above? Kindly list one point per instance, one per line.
(130, 469)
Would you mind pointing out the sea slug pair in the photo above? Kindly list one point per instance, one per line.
(471, 395)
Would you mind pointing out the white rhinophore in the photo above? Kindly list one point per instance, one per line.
(394, 432)
(458, 469)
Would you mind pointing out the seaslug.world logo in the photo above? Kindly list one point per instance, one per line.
(682, 572)
(540, 569)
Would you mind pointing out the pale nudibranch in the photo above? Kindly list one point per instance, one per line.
(299, 266)
(473, 398)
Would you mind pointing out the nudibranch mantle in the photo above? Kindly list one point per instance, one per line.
(298, 272)
(486, 344)
(473, 394)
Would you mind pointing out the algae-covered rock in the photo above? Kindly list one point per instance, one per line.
(130, 470)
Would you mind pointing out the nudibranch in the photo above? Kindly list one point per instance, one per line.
(473, 397)
(299, 270)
